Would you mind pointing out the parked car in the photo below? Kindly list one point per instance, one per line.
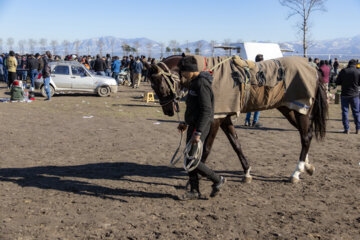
(75, 77)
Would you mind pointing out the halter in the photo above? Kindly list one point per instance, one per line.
(172, 80)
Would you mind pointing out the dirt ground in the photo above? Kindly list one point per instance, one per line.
(107, 176)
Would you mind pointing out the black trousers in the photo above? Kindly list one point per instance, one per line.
(201, 168)
(11, 77)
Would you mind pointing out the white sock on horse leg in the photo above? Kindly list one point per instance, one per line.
(247, 174)
(307, 159)
(299, 169)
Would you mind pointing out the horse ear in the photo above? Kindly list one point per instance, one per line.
(183, 54)
(154, 69)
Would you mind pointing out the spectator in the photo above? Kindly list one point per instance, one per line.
(99, 66)
(349, 79)
(325, 71)
(255, 123)
(108, 65)
(336, 66)
(41, 62)
(131, 64)
(11, 65)
(116, 69)
(46, 74)
(317, 62)
(33, 66)
(2, 73)
(137, 69)
(311, 62)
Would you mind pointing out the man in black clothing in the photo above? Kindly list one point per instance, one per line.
(108, 63)
(33, 66)
(349, 79)
(198, 116)
(99, 66)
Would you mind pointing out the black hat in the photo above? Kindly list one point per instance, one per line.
(352, 62)
(188, 64)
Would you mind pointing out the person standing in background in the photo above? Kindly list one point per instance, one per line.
(349, 79)
(255, 123)
(11, 64)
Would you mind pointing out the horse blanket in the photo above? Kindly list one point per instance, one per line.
(245, 86)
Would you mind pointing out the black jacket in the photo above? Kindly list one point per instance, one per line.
(200, 102)
(349, 79)
(33, 64)
(46, 72)
(99, 65)
(108, 63)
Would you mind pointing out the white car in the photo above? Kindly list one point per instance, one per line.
(74, 77)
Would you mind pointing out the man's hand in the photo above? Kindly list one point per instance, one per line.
(182, 127)
(195, 139)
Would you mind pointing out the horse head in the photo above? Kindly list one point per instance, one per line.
(166, 84)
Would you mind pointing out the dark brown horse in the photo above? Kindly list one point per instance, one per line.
(166, 82)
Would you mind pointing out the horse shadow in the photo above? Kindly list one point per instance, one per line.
(237, 176)
(265, 129)
(54, 177)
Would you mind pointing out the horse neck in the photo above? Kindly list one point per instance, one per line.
(172, 62)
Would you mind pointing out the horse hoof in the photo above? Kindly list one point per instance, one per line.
(294, 180)
(247, 179)
(310, 169)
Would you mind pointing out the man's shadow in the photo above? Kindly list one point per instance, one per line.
(53, 177)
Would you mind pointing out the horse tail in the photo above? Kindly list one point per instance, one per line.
(320, 111)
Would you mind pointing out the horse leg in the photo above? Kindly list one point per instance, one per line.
(289, 115)
(229, 130)
(305, 131)
(210, 139)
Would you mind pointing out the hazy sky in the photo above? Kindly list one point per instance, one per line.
(165, 20)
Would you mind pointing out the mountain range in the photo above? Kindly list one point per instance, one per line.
(342, 48)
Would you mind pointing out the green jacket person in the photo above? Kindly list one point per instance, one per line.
(198, 117)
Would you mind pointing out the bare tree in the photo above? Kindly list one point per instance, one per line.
(54, 44)
(136, 47)
(199, 45)
(43, 43)
(100, 43)
(303, 9)
(88, 47)
(212, 44)
(32, 44)
(168, 50)
(112, 44)
(66, 44)
(149, 45)
(21, 44)
(162, 46)
(173, 44)
(10, 42)
(77, 46)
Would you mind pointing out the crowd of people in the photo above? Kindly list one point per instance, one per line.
(349, 79)
(22, 67)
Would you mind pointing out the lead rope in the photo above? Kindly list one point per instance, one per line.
(174, 160)
(190, 162)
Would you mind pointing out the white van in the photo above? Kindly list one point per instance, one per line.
(249, 50)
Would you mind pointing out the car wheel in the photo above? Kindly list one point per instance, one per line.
(43, 91)
(104, 91)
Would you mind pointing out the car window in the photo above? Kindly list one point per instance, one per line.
(61, 70)
(78, 71)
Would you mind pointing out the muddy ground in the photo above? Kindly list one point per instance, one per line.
(63, 176)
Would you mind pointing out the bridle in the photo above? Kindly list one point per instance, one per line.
(172, 81)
